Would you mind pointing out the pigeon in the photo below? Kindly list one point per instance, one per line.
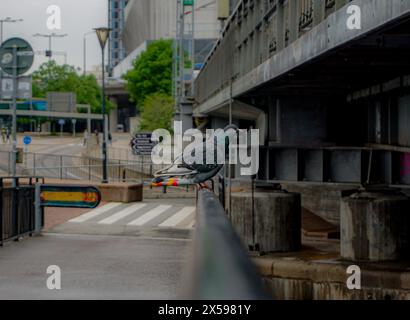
(180, 173)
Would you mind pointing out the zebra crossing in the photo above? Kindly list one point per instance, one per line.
(139, 215)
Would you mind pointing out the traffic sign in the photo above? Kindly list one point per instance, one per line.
(24, 87)
(27, 140)
(69, 196)
(142, 144)
(61, 122)
(25, 56)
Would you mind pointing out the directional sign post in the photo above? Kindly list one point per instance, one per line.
(142, 144)
(64, 197)
(26, 140)
(16, 58)
(61, 122)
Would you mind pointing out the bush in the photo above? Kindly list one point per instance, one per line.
(157, 112)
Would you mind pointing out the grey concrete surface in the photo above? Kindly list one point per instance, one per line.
(93, 267)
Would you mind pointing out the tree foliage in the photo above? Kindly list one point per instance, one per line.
(152, 72)
(51, 77)
(157, 112)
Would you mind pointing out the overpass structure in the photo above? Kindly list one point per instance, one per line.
(307, 81)
(332, 101)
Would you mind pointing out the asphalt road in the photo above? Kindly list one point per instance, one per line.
(93, 267)
(100, 261)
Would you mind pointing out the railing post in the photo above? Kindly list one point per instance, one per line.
(34, 164)
(1, 214)
(37, 209)
(294, 9)
(319, 9)
(61, 167)
(89, 169)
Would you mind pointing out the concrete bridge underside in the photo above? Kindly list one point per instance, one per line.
(333, 106)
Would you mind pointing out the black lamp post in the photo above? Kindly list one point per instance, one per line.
(103, 35)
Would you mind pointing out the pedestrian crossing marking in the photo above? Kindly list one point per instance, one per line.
(122, 214)
(178, 217)
(150, 215)
(96, 212)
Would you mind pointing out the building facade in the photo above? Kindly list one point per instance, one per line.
(116, 21)
(145, 21)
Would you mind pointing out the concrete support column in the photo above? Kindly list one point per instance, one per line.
(274, 224)
(375, 226)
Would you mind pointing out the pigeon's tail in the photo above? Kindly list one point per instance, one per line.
(171, 182)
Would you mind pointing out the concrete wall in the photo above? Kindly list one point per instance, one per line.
(300, 121)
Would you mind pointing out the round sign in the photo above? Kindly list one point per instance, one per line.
(24, 55)
(27, 140)
(61, 122)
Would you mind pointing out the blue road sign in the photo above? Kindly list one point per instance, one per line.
(27, 140)
(61, 122)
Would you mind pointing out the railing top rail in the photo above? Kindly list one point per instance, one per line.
(221, 267)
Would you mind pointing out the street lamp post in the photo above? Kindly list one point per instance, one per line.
(103, 35)
(50, 36)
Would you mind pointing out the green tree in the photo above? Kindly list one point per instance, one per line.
(51, 77)
(152, 72)
(157, 112)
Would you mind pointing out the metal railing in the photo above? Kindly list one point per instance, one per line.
(17, 211)
(64, 167)
(220, 268)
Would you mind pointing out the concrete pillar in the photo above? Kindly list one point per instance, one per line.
(375, 226)
(275, 225)
(114, 120)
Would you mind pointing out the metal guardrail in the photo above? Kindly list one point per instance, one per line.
(220, 268)
(61, 167)
(17, 211)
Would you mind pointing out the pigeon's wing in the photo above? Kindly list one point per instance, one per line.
(177, 168)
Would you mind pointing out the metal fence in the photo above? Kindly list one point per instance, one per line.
(17, 212)
(64, 167)
(220, 268)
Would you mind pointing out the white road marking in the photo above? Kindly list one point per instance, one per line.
(96, 212)
(122, 214)
(150, 215)
(178, 217)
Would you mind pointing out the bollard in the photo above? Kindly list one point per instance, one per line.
(274, 224)
(375, 226)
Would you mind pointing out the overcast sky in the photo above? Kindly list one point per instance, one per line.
(77, 17)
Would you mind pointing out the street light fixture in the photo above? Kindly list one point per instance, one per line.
(50, 36)
(103, 34)
(6, 20)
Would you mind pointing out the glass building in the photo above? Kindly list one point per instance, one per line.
(116, 21)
